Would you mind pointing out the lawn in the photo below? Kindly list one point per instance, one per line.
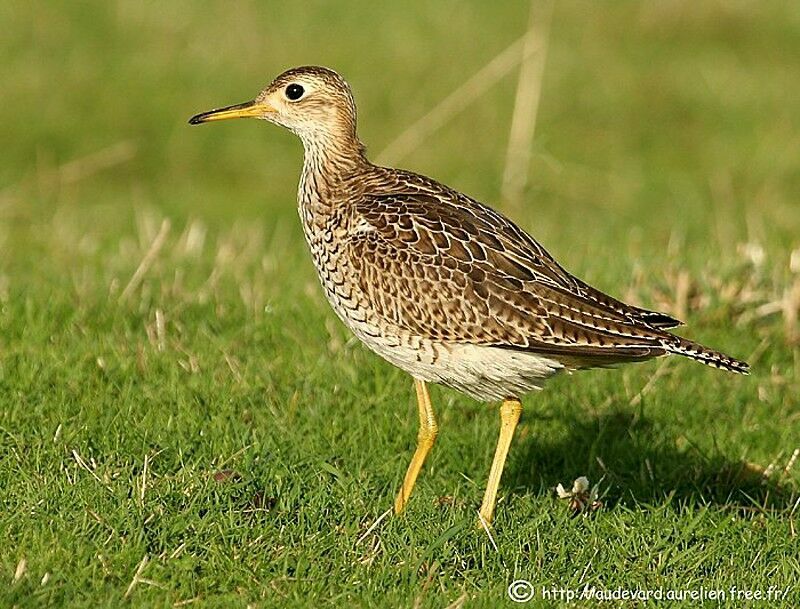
(184, 422)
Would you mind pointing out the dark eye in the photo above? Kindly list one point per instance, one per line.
(294, 92)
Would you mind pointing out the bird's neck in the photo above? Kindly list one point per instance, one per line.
(328, 164)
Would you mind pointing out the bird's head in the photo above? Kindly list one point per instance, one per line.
(311, 101)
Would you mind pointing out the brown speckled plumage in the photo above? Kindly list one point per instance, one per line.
(437, 283)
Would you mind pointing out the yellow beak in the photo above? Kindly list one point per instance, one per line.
(250, 109)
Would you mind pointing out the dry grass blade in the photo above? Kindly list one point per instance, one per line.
(147, 261)
(374, 525)
(454, 103)
(459, 602)
(663, 369)
(526, 104)
(790, 306)
(81, 168)
(485, 526)
(137, 576)
(84, 465)
(19, 572)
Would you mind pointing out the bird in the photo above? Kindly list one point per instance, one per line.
(440, 285)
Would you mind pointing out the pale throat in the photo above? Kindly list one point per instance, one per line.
(330, 157)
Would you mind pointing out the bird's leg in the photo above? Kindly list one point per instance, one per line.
(428, 429)
(509, 416)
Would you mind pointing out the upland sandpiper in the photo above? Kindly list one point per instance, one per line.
(438, 284)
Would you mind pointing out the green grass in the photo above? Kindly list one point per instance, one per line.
(666, 143)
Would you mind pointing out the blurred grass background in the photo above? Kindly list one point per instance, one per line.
(666, 168)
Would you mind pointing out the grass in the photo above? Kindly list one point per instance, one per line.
(204, 433)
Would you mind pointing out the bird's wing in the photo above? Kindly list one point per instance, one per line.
(442, 266)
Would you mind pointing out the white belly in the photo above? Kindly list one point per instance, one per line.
(484, 373)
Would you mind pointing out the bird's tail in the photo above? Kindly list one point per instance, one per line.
(707, 356)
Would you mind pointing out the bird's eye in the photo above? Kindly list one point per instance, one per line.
(294, 92)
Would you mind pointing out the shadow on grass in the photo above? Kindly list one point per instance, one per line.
(637, 463)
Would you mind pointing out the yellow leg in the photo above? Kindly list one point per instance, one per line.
(425, 439)
(509, 416)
